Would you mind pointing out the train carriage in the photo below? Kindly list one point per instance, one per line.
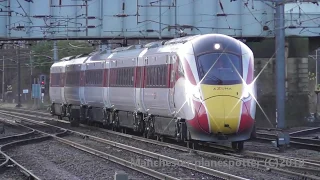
(56, 89)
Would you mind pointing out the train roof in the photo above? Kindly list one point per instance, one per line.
(98, 56)
(135, 50)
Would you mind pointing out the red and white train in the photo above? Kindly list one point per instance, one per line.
(192, 88)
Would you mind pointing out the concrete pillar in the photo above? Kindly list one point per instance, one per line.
(120, 176)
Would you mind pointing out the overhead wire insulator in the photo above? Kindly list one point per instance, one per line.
(91, 17)
(121, 15)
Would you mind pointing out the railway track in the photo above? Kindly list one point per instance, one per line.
(38, 126)
(305, 132)
(311, 167)
(298, 142)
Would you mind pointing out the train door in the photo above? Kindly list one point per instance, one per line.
(82, 84)
(106, 84)
(172, 71)
(138, 84)
(61, 90)
(63, 83)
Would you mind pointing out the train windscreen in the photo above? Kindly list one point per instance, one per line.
(220, 69)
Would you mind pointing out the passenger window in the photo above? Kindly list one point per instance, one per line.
(159, 77)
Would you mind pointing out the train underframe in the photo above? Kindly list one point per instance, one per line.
(147, 125)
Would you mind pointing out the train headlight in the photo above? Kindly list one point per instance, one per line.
(217, 46)
(196, 93)
(247, 91)
(245, 94)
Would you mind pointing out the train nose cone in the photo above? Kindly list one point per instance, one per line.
(224, 114)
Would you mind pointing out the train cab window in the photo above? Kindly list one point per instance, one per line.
(220, 68)
(180, 70)
(55, 79)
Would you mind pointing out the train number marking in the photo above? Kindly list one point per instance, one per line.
(221, 88)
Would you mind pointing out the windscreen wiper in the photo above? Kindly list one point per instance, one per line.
(215, 78)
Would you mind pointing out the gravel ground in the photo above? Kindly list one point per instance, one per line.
(260, 147)
(12, 174)
(301, 153)
(174, 171)
(54, 160)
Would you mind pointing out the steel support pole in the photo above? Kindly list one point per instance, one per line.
(280, 64)
(31, 73)
(3, 79)
(19, 78)
(55, 51)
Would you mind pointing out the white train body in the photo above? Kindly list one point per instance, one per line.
(164, 88)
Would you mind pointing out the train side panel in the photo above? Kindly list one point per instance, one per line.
(122, 74)
(121, 86)
(157, 93)
(139, 82)
(74, 75)
(93, 89)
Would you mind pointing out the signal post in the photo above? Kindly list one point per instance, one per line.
(43, 86)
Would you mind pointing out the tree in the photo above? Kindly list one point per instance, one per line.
(43, 50)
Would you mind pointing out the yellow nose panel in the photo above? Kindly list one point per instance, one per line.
(223, 106)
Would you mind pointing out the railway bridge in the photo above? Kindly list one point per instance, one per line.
(253, 21)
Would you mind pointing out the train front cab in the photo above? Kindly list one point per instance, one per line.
(226, 108)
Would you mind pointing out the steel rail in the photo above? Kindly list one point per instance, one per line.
(25, 171)
(8, 138)
(178, 148)
(294, 141)
(305, 132)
